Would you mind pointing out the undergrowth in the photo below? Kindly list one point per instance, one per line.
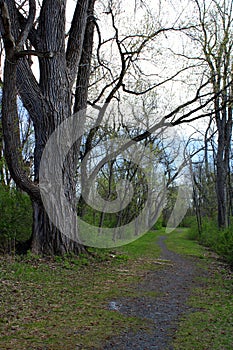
(220, 241)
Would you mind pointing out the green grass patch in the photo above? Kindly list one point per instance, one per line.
(64, 303)
(178, 241)
(145, 246)
(211, 326)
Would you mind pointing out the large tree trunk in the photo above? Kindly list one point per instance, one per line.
(47, 239)
(48, 102)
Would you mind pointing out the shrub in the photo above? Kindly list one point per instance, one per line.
(15, 218)
(188, 221)
(220, 241)
(159, 223)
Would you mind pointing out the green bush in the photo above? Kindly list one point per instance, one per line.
(220, 241)
(188, 221)
(15, 218)
(223, 244)
(159, 223)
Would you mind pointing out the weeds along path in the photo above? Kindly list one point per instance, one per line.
(162, 301)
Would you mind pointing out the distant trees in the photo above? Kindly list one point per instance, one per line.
(77, 67)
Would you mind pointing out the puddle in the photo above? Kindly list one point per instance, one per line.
(113, 305)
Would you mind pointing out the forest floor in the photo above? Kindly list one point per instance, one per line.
(159, 292)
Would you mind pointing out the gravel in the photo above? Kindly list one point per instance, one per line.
(174, 284)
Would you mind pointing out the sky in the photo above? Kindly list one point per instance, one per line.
(160, 62)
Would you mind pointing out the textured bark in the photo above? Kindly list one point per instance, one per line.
(10, 124)
(48, 102)
(224, 125)
(47, 239)
(10, 121)
(2, 177)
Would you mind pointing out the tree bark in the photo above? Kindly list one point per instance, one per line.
(224, 125)
(56, 86)
(47, 239)
(48, 102)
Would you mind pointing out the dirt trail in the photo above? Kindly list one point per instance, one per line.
(174, 284)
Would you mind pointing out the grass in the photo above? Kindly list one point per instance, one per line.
(144, 246)
(179, 242)
(63, 303)
(210, 327)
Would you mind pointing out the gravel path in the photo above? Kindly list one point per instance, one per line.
(174, 284)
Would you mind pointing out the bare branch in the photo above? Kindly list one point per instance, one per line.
(25, 32)
(82, 82)
(10, 124)
(6, 29)
(76, 35)
(139, 93)
(23, 53)
(32, 35)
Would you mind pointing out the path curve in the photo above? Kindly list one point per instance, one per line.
(162, 313)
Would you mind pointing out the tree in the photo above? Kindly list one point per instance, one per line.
(64, 62)
(49, 102)
(215, 36)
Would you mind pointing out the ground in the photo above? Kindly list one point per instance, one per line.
(160, 292)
